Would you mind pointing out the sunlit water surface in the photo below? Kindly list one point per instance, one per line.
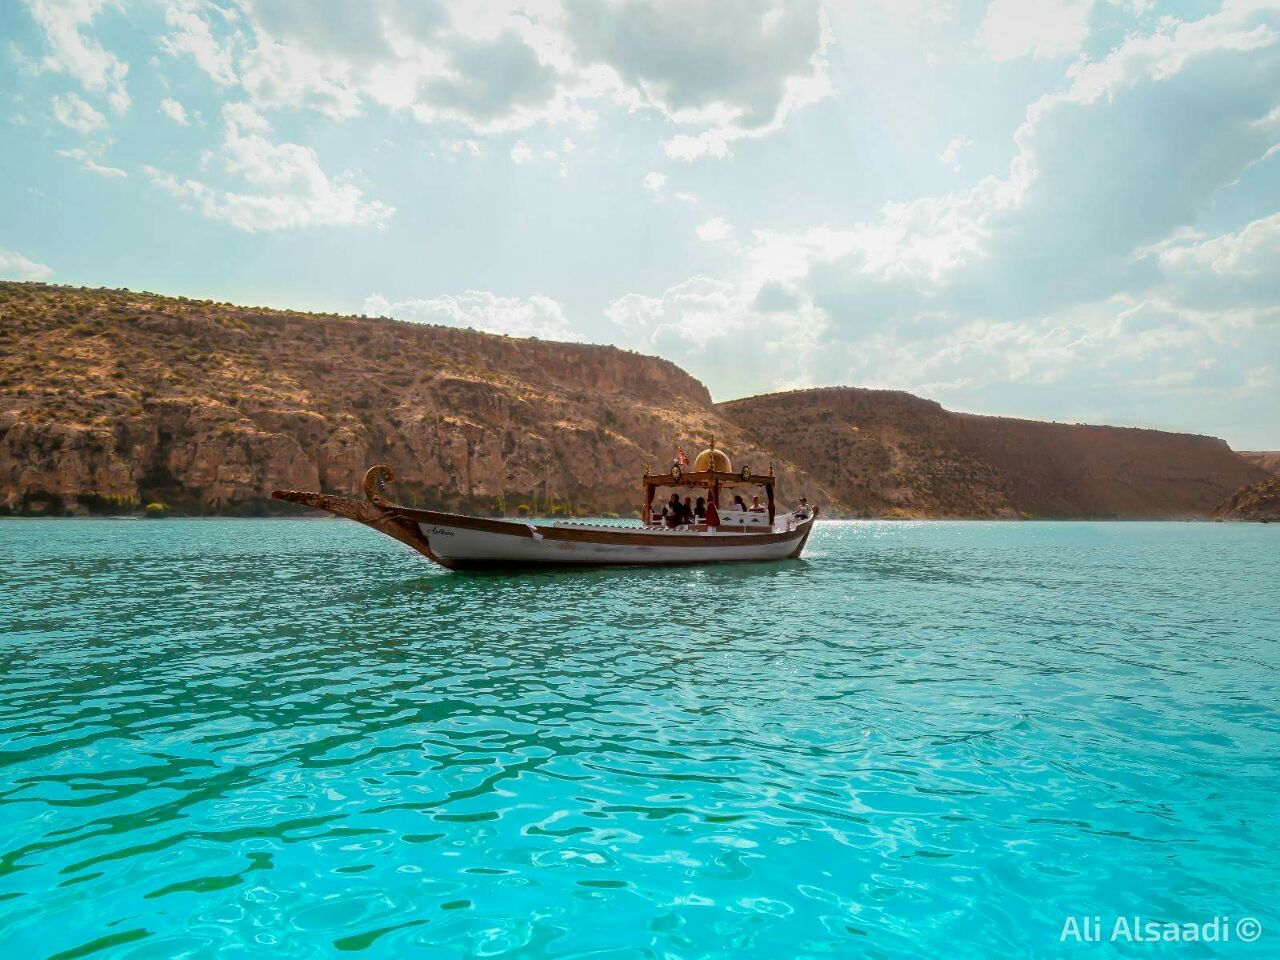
(298, 739)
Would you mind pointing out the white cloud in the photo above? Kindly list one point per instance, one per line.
(715, 230)
(87, 161)
(1037, 28)
(243, 116)
(729, 76)
(174, 111)
(1248, 252)
(504, 66)
(720, 330)
(495, 67)
(77, 55)
(950, 154)
(709, 143)
(480, 310)
(496, 83)
(1259, 378)
(192, 35)
(522, 153)
(293, 189)
(278, 75)
(1239, 268)
(655, 181)
(17, 267)
(334, 205)
(74, 112)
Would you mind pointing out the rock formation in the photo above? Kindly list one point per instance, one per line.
(110, 400)
(1258, 501)
(889, 453)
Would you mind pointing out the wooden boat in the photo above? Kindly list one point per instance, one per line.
(468, 543)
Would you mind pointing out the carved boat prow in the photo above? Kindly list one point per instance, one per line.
(373, 511)
(461, 542)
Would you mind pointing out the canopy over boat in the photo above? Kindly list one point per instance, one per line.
(463, 542)
(713, 471)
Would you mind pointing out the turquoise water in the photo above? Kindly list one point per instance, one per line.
(297, 739)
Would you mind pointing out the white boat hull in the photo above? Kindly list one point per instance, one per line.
(469, 543)
(463, 546)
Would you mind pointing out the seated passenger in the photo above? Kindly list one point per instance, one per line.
(700, 510)
(757, 506)
(802, 509)
(687, 509)
(738, 504)
(673, 512)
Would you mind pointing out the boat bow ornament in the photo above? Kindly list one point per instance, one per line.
(461, 542)
(376, 479)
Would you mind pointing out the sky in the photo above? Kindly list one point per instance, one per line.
(1059, 209)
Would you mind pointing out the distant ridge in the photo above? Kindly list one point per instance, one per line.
(888, 453)
(111, 399)
(1268, 460)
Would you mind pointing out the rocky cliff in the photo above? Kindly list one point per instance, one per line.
(112, 399)
(1258, 502)
(888, 453)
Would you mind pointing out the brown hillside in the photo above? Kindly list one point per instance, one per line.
(884, 452)
(1258, 501)
(110, 398)
(1268, 460)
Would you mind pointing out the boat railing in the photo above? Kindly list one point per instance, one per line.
(744, 518)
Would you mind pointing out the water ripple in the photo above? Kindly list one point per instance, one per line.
(241, 738)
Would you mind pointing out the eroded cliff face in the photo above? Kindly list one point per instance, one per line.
(886, 453)
(1259, 502)
(110, 398)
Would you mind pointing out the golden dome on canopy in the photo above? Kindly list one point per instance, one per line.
(712, 460)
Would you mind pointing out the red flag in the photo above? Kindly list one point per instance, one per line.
(682, 458)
